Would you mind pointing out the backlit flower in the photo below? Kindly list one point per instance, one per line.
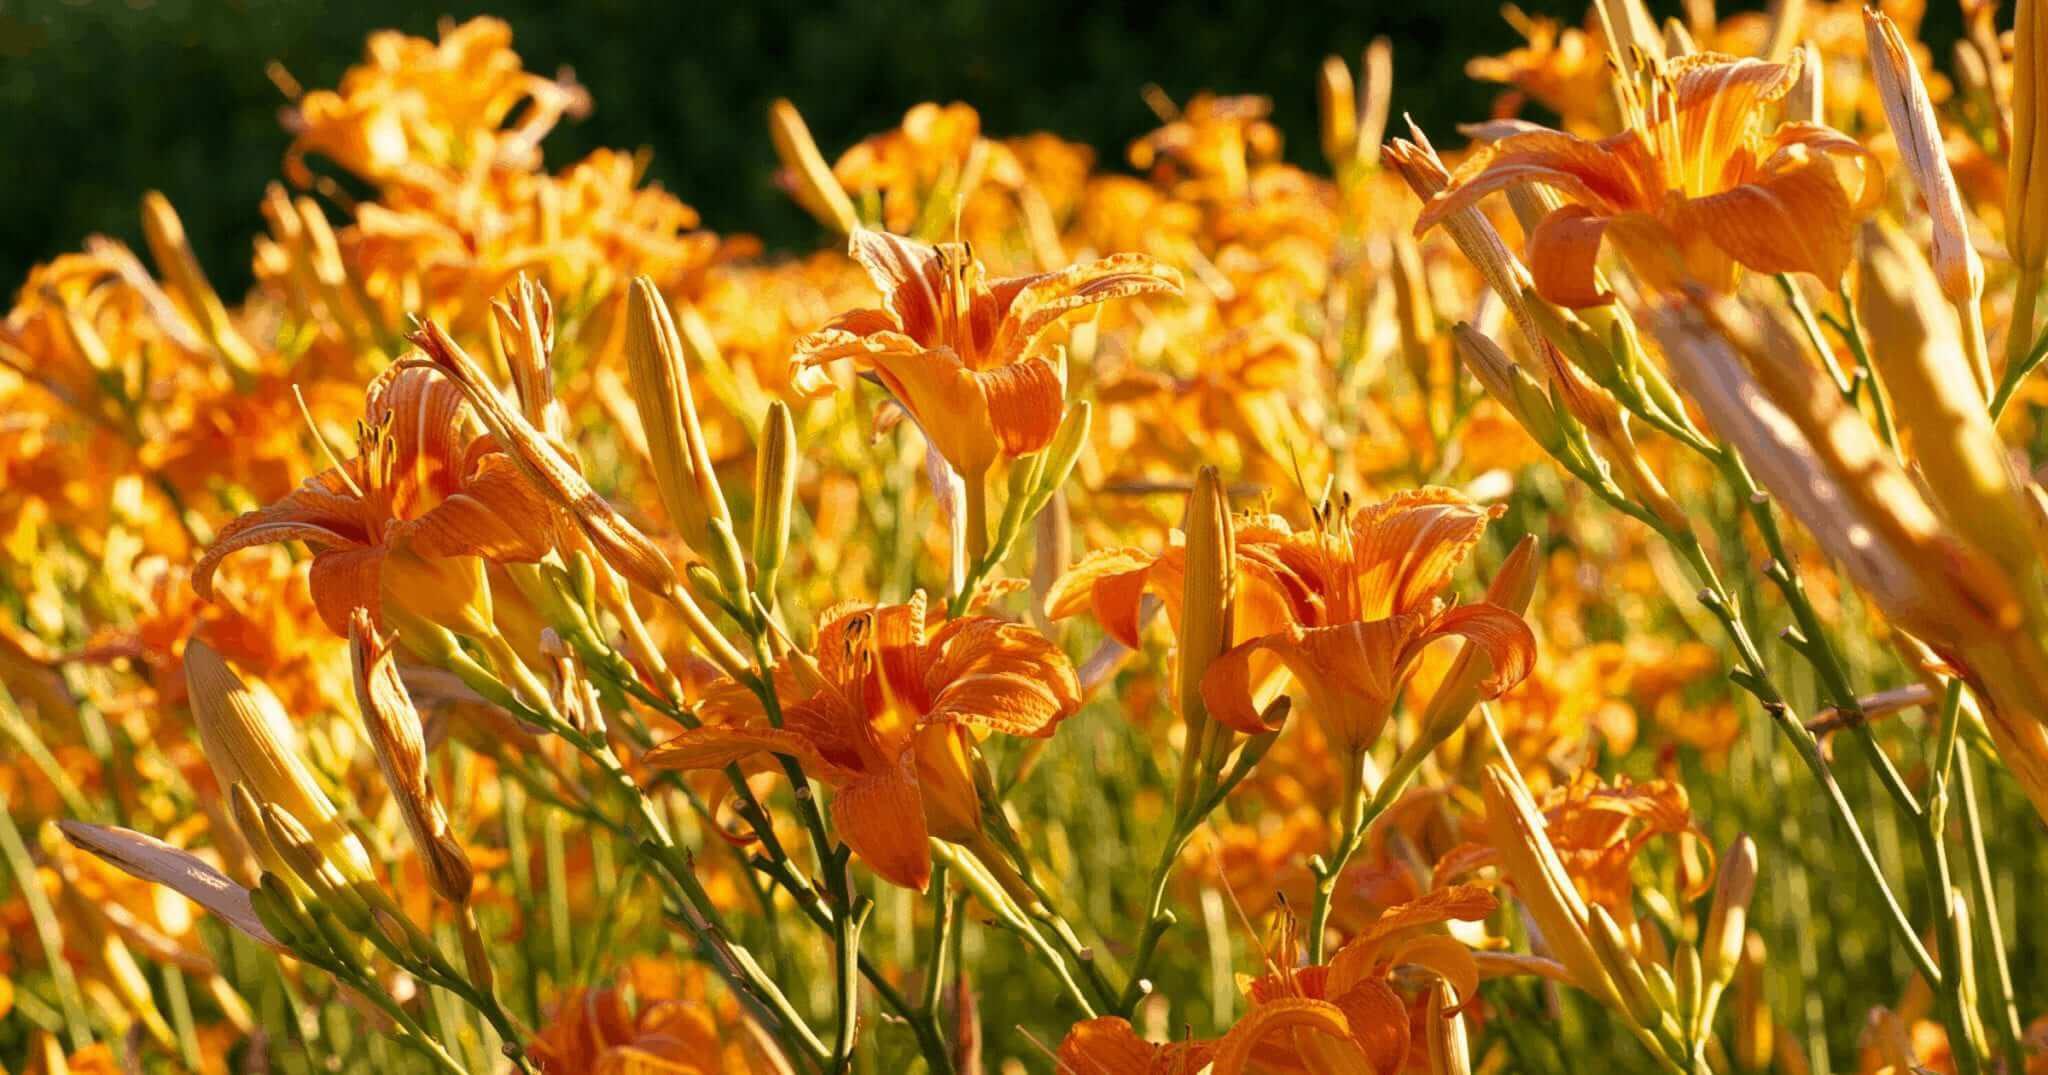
(888, 720)
(959, 351)
(1691, 189)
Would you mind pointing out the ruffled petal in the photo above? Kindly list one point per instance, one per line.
(1299, 1018)
(1605, 176)
(498, 515)
(343, 580)
(1111, 582)
(907, 272)
(1025, 402)
(1798, 220)
(1048, 297)
(1000, 676)
(711, 747)
(1406, 548)
(1379, 1030)
(881, 817)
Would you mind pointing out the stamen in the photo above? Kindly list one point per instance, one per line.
(326, 449)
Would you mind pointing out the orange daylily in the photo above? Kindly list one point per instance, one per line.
(597, 1032)
(957, 349)
(885, 716)
(1108, 1046)
(1345, 608)
(1690, 190)
(1345, 1015)
(409, 516)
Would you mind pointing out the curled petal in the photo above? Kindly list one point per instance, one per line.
(1112, 583)
(1299, 1018)
(1503, 636)
(1564, 254)
(1407, 547)
(1602, 175)
(1798, 220)
(343, 580)
(1047, 298)
(1025, 402)
(909, 272)
(716, 748)
(1000, 676)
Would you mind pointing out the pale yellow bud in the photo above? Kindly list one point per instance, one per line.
(249, 741)
(1375, 98)
(1337, 105)
(1450, 1053)
(1638, 998)
(2026, 205)
(1515, 829)
(1211, 589)
(775, 469)
(1910, 114)
(1721, 939)
(165, 234)
(1510, 386)
(813, 184)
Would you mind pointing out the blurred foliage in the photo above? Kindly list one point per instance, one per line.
(118, 98)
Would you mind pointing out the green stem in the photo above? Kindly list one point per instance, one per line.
(2003, 1006)
(1940, 890)
(48, 933)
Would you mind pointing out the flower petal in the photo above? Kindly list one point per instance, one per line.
(1001, 676)
(1499, 633)
(1564, 254)
(1025, 402)
(1299, 1018)
(1112, 583)
(881, 817)
(1406, 548)
(1797, 220)
(1047, 298)
(907, 272)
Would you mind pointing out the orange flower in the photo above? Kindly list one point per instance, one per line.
(1344, 608)
(1108, 1046)
(1345, 1015)
(957, 350)
(595, 1032)
(1691, 189)
(885, 719)
(408, 515)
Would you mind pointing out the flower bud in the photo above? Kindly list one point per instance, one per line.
(400, 745)
(1337, 106)
(248, 741)
(1807, 101)
(1721, 939)
(1755, 1031)
(1515, 829)
(1638, 999)
(2026, 206)
(1910, 113)
(619, 542)
(165, 234)
(1209, 598)
(683, 471)
(1418, 165)
(306, 861)
(812, 182)
(1512, 588)
(1510, 386)
(1375, 98)
(774, 496)
(1916, 346)
(1448, 1050)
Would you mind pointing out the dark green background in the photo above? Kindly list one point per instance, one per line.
(101, 100)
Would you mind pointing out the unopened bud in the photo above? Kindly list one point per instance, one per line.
(2026, 206)
(1727, 919)
(1515, 829)
(165, 234)
(1337, 105)
(1910, 113)
(812, 182)
(248, 740)
(1449, 1051)
(774, 495)
(1211, 589)
(395, 734)
(1637, 997)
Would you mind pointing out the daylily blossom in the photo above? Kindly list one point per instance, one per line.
(1344, 607)
(1691, 189)
(959, 351)
(886, 719)
(413, 515)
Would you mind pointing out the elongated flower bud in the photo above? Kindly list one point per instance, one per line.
(1910, 114)
(774, 494)
(1916, 345)
(310, 864)
(1510, 386)
(1721, 938)
(1512, 588)
(165, 234)
(1375, 97)
(1337, 106)
(683, 471)
(1638, 999)
(1211, 589)
(1449, 1051)
(2026, 205)
(619, 542)
(813, 184)
(395, 734)
(248, 741)
(1419, 166)
(1515, 829)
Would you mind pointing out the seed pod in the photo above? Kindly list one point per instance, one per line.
(774, 496)
(248, 740)
(812, 182)
(1211, 590)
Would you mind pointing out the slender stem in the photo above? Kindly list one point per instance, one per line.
(44, 918)
(990, 892)
(1940, 891)
(1352, 833)
(2003, 1006)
